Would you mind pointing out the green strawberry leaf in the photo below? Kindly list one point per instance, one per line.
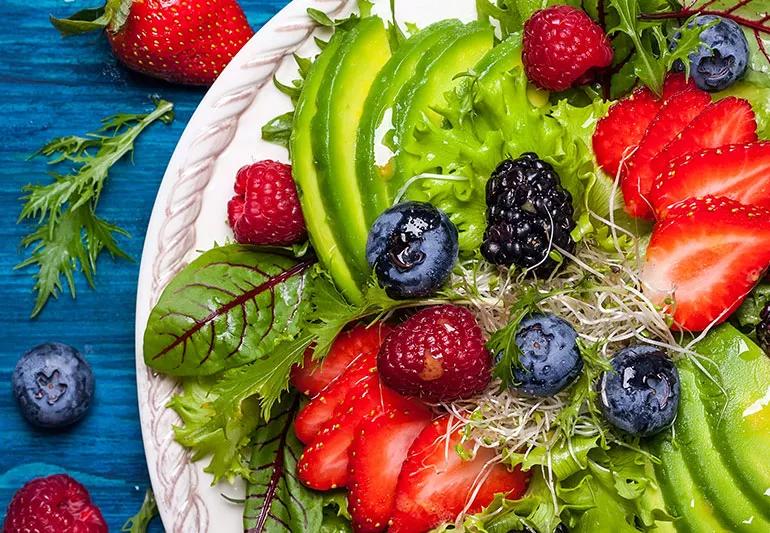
(231, 306)
(112, 16)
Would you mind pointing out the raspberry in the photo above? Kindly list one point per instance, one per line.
(54, 504)
(438, 355)
(563, 47)
(265, 209)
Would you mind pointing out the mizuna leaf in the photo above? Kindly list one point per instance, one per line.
(275, 499)
(229, 307)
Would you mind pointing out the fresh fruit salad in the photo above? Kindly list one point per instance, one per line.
(510, 277)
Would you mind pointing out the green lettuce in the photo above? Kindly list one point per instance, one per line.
(488, 120)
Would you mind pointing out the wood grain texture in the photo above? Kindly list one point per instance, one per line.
(51, 87)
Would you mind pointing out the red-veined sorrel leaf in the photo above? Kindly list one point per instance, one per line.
(275, 499)
(229, 307)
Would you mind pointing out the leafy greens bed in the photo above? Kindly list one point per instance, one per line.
(235, 321)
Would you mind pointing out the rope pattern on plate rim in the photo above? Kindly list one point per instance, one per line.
(177, 480)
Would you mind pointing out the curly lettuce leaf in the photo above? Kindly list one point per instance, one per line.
(492, 119)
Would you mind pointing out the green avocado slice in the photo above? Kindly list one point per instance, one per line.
(322, 237)
(714, 477)
(382, 96)
(694, 513)
(436, 74)
(740, 421)
(362, 52)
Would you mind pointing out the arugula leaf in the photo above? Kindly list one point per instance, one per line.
(69, 235)
(232, 305)
(275, 499)
(141, 520)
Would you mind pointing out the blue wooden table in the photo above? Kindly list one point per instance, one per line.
(51, 87)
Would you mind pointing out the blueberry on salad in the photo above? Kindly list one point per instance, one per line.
(549, 360)
(640, 395)
(54, 385)
(723, 56)
(412, 247)
(529, 215)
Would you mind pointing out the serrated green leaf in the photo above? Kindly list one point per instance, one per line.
(141, 520)
(320, 17)
(231, 306)
(69, 235)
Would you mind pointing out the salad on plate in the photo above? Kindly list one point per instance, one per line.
(510, 277)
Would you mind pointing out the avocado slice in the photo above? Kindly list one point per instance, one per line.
(436, 74)
(382, 97)
(714, 477)
(322, 237)
(740, 421)
(361, 54)
(683, 498)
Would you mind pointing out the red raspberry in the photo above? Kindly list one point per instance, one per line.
(54, 504)
(438, 354)
(562, 47)
(265, 208)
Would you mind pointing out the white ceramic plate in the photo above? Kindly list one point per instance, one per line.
(190, 215)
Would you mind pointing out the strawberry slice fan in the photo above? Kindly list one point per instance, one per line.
(698, 169)
(385, 448)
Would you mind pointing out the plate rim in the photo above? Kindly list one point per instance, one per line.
(210, 129)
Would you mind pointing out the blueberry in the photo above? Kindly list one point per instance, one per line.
(641, 394)
(723, 57)
(412, 247)
(54, 385)
(549, 359)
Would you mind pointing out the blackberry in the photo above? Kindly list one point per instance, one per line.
(528, 213)
(763, 329)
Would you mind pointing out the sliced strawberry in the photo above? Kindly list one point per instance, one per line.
(349, 345)
(707, 255)
(739, 172)
(320, 410)
(628, 119)
(675, 83)
(324, 463)
(677, 112)
(436, 484)
(623, 128)
(728, 121)
(376, 456)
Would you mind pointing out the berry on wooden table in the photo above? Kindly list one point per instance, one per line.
(438, 355)
(54, 504)
(184, 41)
(563, 47)
(265, 209)
(53, 385)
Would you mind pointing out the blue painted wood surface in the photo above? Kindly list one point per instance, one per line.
(51, 87)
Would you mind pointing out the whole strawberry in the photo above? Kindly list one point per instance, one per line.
(438, 355)
(265, 209)
(563, 47)
(184, 41)
(54, 504)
